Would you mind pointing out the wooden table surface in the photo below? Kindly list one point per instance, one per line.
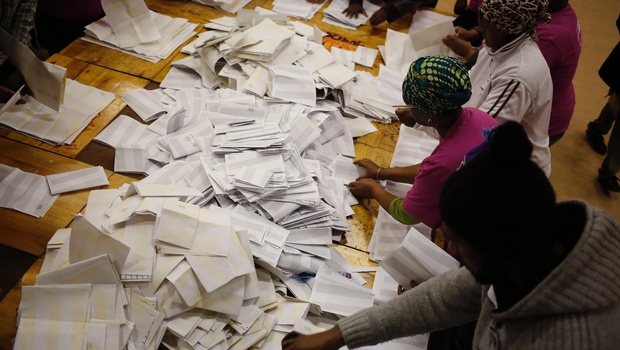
(96, 76)
(27, 233)
(117, 72)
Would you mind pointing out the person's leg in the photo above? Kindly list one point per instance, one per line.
(555, 138)
(599, 127)
(611, 164)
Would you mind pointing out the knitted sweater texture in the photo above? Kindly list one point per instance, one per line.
(577, 306)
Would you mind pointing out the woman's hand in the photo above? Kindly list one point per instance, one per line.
(354, 10)
(470, 35)
(378, 17)
(364, 188)
(6, 94)
(459, 46)
(402, 289)
(371, 168)
(328, 340)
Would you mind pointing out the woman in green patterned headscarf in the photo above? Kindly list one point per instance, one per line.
(437, 84)
(434, 89)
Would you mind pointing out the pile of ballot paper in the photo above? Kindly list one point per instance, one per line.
(143, 267)
(231, 6)
(257, 56)
(287, 65)
(286, 162)
(129, 26)
(227, 243)
(81, 104)
(299, 9)
(59, 109)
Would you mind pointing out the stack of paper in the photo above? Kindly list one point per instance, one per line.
(417, 259)
(231, 6)
(300, 9)
(412, 147)
(199, 289)
(288, 64)
(129, 26)
(81, 104)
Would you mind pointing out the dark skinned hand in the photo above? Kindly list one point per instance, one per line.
(370, 166)
(378, 17)
(6, 94)
(354, 10)
(364, 188)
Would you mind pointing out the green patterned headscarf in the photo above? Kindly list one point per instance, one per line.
(436, 84)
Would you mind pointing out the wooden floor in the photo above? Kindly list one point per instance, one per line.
(574, 164)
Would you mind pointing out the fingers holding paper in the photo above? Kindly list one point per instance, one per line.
(6, 94)
(371, 168)
(459, 46)
(328, 340)
(364, 188)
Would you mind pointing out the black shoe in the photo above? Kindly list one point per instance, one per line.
(596, 141)
(608, 183)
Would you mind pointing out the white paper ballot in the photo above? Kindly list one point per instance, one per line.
(77, 180)
(418, 259)
(131, 22)
(365, 56)
(87, 242)
(337, 294)
(45, 80)
(25, 192)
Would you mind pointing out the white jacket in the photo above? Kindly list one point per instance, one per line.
(514, 83)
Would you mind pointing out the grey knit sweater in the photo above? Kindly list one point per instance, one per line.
(577, 306)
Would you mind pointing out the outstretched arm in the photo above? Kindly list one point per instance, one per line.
(399, 174)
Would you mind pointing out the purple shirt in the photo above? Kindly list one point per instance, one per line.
(560, 43)
(474, 5)
(422, 200)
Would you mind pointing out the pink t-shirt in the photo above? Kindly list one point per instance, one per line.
(422, 200)
(560, 43)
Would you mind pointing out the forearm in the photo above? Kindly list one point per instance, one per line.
(471, 58)
(447, 300)
(384, 197)
(405, 174)
(467, 19)
(399, 8)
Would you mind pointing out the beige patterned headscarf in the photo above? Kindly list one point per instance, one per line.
(516, 16)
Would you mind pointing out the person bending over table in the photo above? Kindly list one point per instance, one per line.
(435, 87)
(538, 274)
(390, 12)
(560, 43)
(511, 79)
